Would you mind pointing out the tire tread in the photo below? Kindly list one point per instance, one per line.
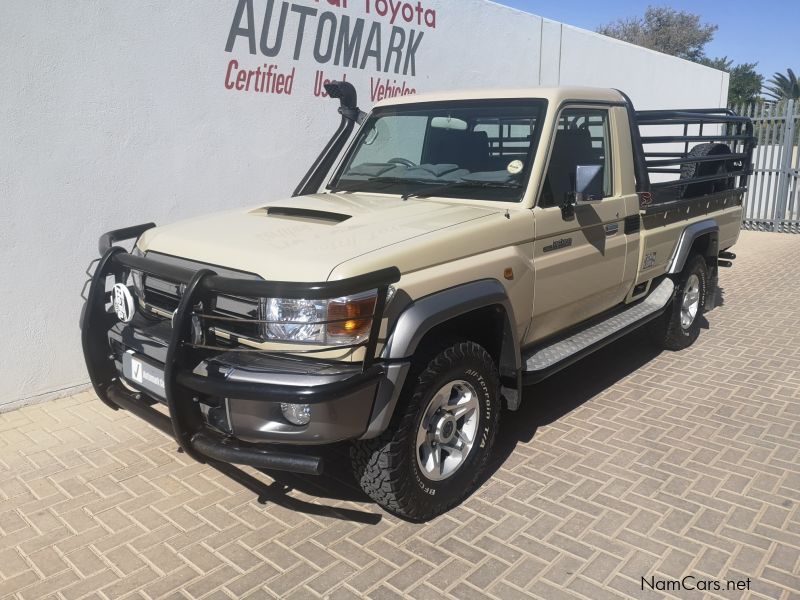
(379, 463)
(667, 331)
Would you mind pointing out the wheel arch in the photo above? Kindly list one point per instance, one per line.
(472, 302)
(701, 238)
(467, 308)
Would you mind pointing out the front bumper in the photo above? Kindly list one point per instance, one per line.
(249, 386)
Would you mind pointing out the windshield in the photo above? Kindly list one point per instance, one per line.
(481, 150)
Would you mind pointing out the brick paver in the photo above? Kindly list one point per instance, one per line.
(630, 464)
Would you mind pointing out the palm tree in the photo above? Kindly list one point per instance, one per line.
(782, 87)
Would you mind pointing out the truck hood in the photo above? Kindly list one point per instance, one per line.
(305, 238)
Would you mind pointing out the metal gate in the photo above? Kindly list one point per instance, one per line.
(773, 198)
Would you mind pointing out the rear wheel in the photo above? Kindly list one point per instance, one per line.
(680, 325)
(431, 458)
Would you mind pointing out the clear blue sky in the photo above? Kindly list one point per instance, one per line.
(767, 32)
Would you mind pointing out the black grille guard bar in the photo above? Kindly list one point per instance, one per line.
(264, 289)
(109, 239)
(180, 384)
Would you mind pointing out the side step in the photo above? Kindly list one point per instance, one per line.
(546, 360)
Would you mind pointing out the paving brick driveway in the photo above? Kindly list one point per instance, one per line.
(629, 464)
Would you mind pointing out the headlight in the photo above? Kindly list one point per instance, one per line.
(340, 321)
(295, 320)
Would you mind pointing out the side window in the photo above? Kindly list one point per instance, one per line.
(582, 138)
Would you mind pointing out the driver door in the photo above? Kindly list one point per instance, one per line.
(580, 250)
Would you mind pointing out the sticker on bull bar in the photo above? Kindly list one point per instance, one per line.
(143, 374)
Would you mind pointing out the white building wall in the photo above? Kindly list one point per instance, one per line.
(651, 79)
(115, 113)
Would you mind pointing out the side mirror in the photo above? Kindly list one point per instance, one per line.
(588, 183)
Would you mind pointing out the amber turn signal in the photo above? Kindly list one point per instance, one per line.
(351, 317)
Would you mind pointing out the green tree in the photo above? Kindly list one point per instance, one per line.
(783, 87)
(721, 64)
(666, 30)
(745, 83)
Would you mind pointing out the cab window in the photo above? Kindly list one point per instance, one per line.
(582, 138)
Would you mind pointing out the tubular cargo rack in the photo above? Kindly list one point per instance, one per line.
(718, 171)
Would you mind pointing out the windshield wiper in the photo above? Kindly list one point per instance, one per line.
(430, 186)
(425, 193)
(367, 183)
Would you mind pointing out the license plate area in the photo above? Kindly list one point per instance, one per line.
(144, 374)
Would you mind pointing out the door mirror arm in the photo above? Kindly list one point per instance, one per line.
(568, 206)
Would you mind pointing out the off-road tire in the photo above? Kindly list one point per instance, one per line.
(387, 468)
(692, 170)
(667, 331)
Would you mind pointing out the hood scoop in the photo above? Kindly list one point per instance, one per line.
(304, 214)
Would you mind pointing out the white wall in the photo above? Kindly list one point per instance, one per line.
(116, 113)
(651, 79)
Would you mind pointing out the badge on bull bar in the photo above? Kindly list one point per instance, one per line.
(123, 302)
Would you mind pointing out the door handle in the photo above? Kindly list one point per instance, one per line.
(612, 228)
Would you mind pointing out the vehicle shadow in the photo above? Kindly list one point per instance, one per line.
(542, 404)
(719, 300)
(719, 297)
(335, 483)
(557, 396)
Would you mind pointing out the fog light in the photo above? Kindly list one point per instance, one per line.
(296, 414)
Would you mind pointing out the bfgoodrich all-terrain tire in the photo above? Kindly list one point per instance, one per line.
(679, 327)
(432, 455)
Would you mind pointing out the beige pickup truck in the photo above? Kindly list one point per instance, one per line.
(460, 247)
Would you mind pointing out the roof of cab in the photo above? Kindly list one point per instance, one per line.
(555, 95)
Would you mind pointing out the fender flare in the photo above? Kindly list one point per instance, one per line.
(420, 317)
(689, 235)
(424, 314)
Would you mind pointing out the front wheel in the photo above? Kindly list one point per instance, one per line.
(433, 455)
(680, 325)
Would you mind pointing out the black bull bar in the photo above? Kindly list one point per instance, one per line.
(181, 385)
